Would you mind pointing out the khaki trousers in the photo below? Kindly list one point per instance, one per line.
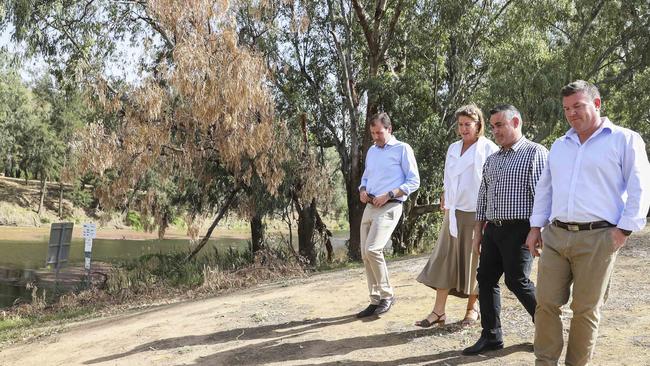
(586, 260)
(377, 225)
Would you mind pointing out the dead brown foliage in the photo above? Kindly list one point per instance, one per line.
(206, 105)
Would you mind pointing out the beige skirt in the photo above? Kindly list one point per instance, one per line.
(452, 264)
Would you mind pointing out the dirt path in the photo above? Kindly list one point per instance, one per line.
(308, 321)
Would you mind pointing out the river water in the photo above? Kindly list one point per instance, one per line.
(20, 259)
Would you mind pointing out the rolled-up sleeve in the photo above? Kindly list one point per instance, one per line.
(410, 169)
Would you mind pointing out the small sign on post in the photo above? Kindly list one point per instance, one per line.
(89, 233)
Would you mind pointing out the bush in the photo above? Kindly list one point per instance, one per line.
(80, 197)
(133, 220)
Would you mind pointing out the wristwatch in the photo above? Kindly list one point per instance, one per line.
(391, 194)
(626, 232)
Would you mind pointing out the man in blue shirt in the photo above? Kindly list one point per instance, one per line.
(593, 193)
(391, 174)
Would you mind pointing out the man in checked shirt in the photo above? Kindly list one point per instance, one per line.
(505, 203)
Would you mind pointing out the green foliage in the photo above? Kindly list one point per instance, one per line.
(133, 220)
(13, 323)
(80, 197)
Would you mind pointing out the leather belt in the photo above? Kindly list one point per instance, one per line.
(392, 200)
(580, 226)
(500, 223)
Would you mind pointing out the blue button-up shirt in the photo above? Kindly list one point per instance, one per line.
(389, 167)
(605, 178)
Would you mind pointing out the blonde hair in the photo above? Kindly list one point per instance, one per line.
(473, 112)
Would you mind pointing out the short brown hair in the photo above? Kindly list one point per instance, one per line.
(473, 112)
(381, 117)
(580, 86)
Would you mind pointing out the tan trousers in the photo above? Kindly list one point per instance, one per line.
(586, 260)
(377, 225)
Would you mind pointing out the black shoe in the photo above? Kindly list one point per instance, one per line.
(370, 310)
(384, 305)
(483, 344)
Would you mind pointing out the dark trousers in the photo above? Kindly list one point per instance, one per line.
(503, 251)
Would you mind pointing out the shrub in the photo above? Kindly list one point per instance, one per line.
(133, 219)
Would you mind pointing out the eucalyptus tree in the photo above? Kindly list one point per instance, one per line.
(326, 57)
(551, 43)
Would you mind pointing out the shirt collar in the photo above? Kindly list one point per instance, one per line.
(605, 126)
(516, 146)
(391, 141)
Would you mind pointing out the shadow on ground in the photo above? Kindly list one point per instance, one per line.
(279, 346)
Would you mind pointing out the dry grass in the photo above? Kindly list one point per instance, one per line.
(267, 267)
(127, 289)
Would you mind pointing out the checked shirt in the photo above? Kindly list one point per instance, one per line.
(509, 177)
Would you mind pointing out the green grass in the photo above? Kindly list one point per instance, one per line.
(14, 323)
(67, 314)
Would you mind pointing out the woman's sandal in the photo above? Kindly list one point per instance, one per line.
(426, 323)
(469, 318)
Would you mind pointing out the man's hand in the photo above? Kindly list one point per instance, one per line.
(618, 238)
(363, 196)
(380, 200)
(534, 241)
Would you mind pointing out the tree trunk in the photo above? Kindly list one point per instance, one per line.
(377, 41)
(257, 233)
(326, 234)
(43, 190)
(306, 227)
(355, 213)
(164, 224)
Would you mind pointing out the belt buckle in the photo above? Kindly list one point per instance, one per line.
(498, 223)
(572, 227)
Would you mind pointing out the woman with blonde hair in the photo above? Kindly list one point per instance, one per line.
(451, 268)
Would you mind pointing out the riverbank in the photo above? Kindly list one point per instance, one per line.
(13, 233)
(302, 321)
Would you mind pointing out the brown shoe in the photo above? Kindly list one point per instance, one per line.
(426, 323)
(471, 317)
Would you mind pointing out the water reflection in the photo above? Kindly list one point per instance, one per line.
(21, 262)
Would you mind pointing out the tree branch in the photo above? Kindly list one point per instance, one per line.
(363, 20)
(226, 205)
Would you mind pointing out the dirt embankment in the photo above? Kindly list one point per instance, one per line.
(309, 321)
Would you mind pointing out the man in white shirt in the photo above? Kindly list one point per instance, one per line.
(594, 192)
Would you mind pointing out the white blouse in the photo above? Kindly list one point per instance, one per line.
(462, 178)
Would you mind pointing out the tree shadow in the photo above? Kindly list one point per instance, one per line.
(278, 351)
(284, 330)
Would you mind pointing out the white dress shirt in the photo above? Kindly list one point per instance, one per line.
(605, 178)
(462, 177)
